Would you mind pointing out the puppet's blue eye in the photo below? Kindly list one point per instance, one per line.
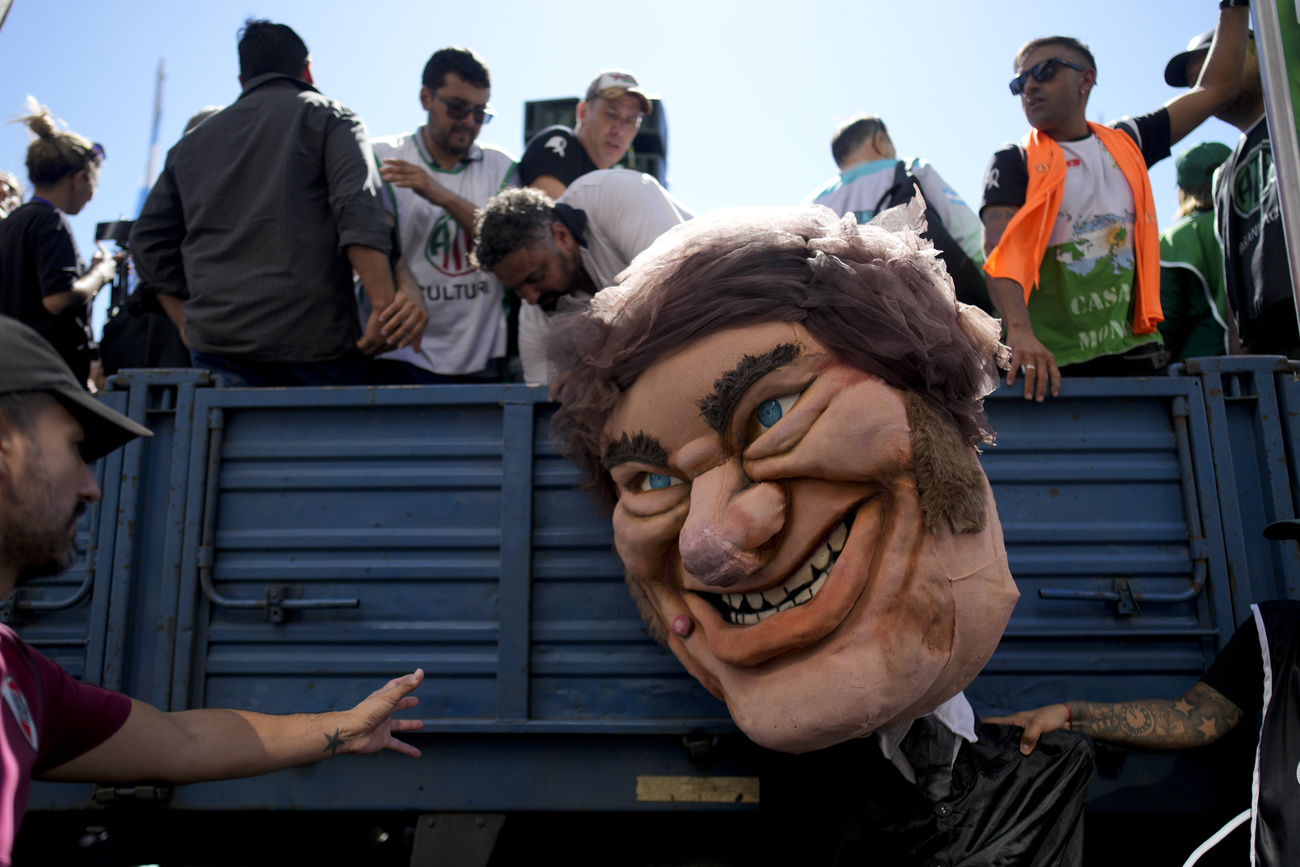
(769, 413)
(773, 409)
(658, 481)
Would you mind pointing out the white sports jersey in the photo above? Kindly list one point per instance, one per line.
(467, 324)
(625, 212)
(860, 187)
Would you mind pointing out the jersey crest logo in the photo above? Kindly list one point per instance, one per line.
(991, 179)
(22, 713)
(1252, 180)
(557, 143)
(447, 249)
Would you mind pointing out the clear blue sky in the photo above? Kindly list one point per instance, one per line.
(751, 90)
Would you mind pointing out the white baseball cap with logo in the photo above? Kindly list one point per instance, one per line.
(613, 83)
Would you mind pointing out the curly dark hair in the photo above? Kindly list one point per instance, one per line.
(509, 221)
(876, 295)
(459, 60)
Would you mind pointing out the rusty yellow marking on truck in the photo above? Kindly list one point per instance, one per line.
(700, 790)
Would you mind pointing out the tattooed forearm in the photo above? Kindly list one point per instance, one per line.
(1201, 716)
(333, 742)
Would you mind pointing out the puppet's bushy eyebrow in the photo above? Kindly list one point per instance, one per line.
(640, 447)
(732, 385)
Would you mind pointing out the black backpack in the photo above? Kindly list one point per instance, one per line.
(966, 275)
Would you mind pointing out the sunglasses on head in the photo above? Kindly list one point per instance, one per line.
(1043, 71)
(97, 152)
(461, 110)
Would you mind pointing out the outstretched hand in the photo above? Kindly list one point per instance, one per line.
(1036, 723)
(371, 725)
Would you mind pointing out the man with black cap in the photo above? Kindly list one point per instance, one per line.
(1247, 209)
(57, 728)
(1257, 670)
(608, 120)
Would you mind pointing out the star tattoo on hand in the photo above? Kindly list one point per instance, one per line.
(332, 743)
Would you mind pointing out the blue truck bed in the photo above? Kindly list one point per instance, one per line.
(288, 550)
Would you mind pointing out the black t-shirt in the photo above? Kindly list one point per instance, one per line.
(38, 258)
(1247, 210)
(555, 151)
(1238, 671)
(1007, 177)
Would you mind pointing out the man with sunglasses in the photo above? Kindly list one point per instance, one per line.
(608, 120)
(253, 230)
(1247, 206)
(1070, 231)
(434, 178)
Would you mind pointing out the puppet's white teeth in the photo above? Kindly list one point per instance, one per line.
(836, 542)
(746, 609)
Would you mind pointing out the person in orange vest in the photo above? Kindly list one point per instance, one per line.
(1070, 237)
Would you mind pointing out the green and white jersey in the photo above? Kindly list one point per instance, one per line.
(1083, 308)
(467, 323)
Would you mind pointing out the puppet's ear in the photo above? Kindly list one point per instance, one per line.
(949, 479)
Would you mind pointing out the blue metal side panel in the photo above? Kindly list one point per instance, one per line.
(149, 534)
(1112, 549)
(1288, 389)
(1250, 462)
(471, 554)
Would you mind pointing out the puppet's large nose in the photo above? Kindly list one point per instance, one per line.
(731, 518)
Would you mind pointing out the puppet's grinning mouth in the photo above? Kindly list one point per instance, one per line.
(746, 609)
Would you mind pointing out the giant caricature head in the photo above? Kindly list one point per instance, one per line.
(782, 408)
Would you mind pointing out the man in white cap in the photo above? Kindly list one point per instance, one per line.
(57, 728)
(608, 120)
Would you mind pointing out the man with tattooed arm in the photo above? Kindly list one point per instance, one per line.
(1258, 670)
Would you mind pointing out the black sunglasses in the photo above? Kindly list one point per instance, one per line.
(1043, 71)
(461, 110)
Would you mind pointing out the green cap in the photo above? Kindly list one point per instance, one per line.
(32, 364)
(1195, 166)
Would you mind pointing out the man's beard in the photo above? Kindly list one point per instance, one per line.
(34, 541)
(573, 274)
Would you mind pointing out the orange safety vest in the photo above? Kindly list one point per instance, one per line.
(1020, 253)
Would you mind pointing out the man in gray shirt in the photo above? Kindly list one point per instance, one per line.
(250, 236)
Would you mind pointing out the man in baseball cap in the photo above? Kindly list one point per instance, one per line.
(57, 728)
(33, 368)
(608, 120)
(1245, 194)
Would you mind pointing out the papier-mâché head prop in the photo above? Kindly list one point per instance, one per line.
(783, 408)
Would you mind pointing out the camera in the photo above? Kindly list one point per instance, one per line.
(117, 231)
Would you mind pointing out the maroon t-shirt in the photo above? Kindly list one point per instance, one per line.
(49, 719)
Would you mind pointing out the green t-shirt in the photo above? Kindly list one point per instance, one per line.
(1083, 306)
